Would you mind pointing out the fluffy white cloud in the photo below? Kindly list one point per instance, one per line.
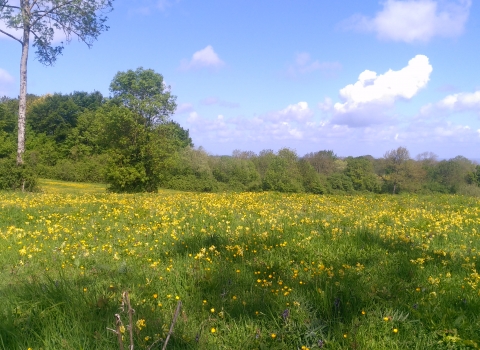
(385, 88)
(205, 58)
(304, 65)
(415, 20)
(459, 102)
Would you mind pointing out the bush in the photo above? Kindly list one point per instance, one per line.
(13, 177)
(191, 183)
(340, 182)
(469, 190)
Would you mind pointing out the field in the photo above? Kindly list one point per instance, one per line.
(252, 270)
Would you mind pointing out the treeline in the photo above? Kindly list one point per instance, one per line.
(128, 141)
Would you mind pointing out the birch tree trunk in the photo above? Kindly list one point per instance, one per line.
(22, 106)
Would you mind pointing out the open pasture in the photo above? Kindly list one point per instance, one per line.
(253, 270)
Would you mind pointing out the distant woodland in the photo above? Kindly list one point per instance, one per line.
(87, 137)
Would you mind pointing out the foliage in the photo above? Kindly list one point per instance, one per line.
(13, 177)
(322, 161)
(340, 182)
(74, 18)
(144, 92)
(313, 182)
(360, 171)
(240, 174)
(54, 115)
(282, 173)
(40, 19)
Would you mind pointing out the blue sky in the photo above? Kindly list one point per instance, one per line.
(355, 77)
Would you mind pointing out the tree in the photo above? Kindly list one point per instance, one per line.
(360, 171)
(322, 161)
(402, 172)
(395, 167)
(144, 92)
(54, 115)
(282, 173)
(41, 19)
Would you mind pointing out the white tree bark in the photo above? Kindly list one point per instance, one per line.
(22, 105)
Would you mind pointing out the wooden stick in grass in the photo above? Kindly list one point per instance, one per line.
(130, 317)
(177, 311)
(118, 331)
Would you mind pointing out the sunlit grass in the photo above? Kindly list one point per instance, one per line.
(253, 270)
(58, 186)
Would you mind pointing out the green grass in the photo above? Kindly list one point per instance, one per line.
(253, 271)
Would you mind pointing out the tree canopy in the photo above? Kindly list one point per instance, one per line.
(144, 92)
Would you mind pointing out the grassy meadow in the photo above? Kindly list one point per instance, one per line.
(252, 270)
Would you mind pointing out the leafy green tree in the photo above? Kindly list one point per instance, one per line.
(283, 174)
(395, 167)
(7, 116)
(239, 174)
(263, 160)
(137, 163)
(360, 170)
(455, 173)
(41, 19)
(124, 136)
(191, 172)
(87, 101)
(312, 181)
(176, 133)
(54, 115)
(339, 182)
(144, 92)
(322, 161)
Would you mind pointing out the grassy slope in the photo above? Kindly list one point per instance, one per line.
(264, 271)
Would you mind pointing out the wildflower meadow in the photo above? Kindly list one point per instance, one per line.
(242, 270)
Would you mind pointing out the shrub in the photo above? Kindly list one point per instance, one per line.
(13, 177)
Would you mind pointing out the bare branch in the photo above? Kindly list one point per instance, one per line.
(177, 311)
(11, 6)
(11, 36)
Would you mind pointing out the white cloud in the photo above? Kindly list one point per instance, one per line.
(459, 102)
(299, 112)
(386, 88)
(415, 20)
(326, 105)
(205, 58)
(291, 123)
(304, 65)
(463, 101)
